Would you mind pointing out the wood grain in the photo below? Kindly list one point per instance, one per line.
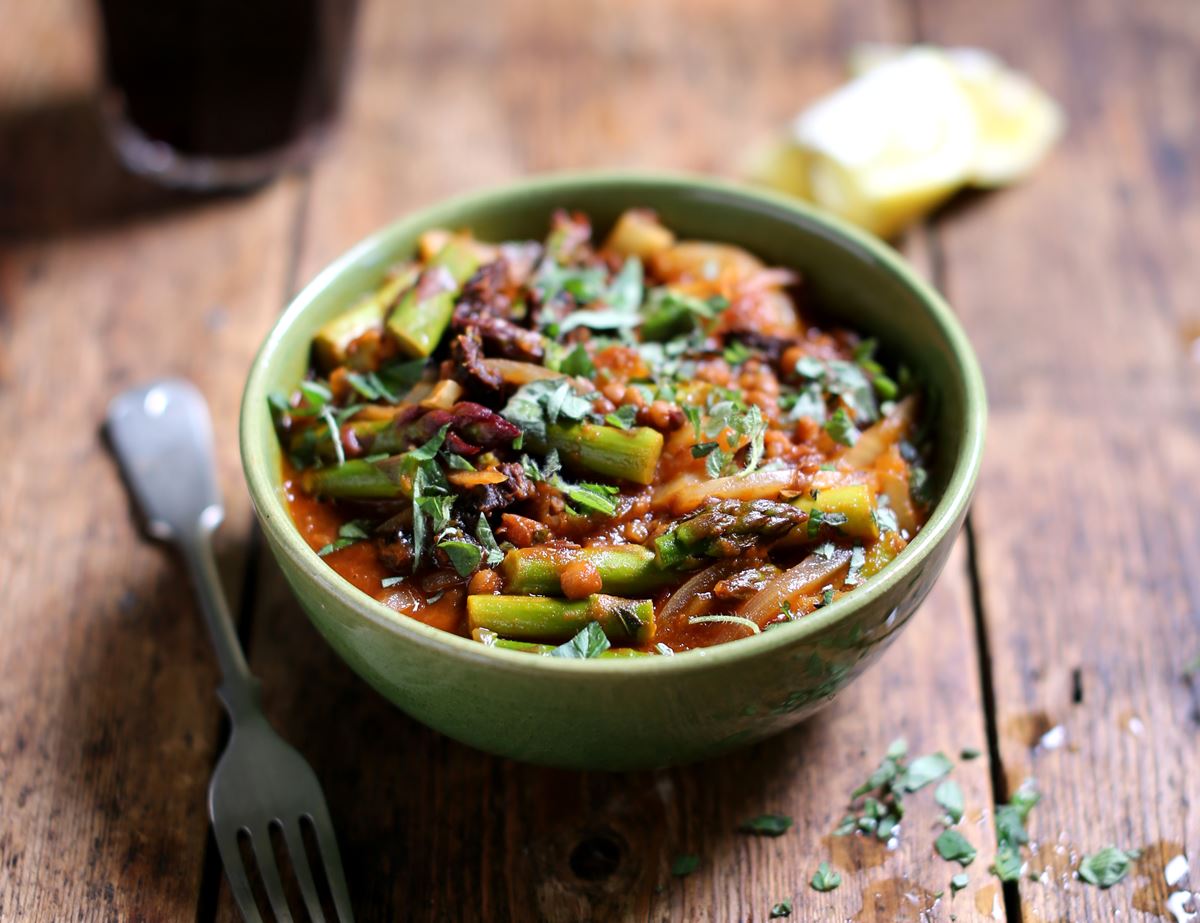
(1088, 507)
(108, 722)
(455, 96)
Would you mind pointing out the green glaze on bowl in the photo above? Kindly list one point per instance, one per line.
(646, 712)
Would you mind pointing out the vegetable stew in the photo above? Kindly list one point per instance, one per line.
(578, 450)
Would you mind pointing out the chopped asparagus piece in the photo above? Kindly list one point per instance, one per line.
(420, 318)
(335, 336)
(542, 618)
(724, 529)
(624, 569)
(359, 480)
(628, 454)
(854, 502)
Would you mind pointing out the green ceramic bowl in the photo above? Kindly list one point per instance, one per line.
(626, 714)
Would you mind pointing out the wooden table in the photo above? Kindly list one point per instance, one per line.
(1072, 601)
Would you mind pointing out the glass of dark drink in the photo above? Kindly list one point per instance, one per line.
(222, 94)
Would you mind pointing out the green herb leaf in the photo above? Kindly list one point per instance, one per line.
(589, 497)
(969, 753)
(841, 428)
(429, 450)
(625, 292)
(782, 909)
(926, 769)
(348, 534)
(578, 362)
(954, 847)
(702, 449)
(959, 881)
(588, 643)
(1008, 863)
(483, 532)
(682, 866)
(858, 557)
(949, 795)
(463, 554)
(737, 352)
(766, 825)
(1108, 866)
(623, 417)
(825, 879)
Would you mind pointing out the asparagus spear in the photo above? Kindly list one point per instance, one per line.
(854, 502)
(335, 335)
(542, 618)
(360, 479)
(422, 315)
(624, 569)
(629, 454)
(724, 529)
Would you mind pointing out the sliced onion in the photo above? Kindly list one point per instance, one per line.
(702, 582)
(757, 486)
(805, 579)
(520, 373)
(877, 439)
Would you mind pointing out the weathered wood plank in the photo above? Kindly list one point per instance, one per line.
(1078, 288)
(447, 98)
(108, 721)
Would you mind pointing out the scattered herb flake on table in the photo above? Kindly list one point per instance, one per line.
(782, 909)
(1011, 834)
(682, 866)
(954, 847)
(1108, 866)
(949, 795)
(825, 879)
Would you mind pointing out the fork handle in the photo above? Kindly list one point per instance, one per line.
(239, 690)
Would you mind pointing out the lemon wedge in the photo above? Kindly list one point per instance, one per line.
(891, 144)
(1018, 122)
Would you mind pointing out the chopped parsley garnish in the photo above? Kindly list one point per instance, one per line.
(348, 534)
(682, 866)
(782, 909)
(483, 532)
(538, 404)
(1108, 866)
(465, 555)
(737, 352)
(958, 882)
(949, 795)
(589, 642)
(925, 769)
(877, 805)
(1011, 834)
(825, 879)
(858, 557)
(841, 428)
(766, 825)
(623, 417)
(969, 753)
(578, 362)
(885, 519)
(588, 498)
(954, 847)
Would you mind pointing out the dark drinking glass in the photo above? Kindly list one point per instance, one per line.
(222, 94)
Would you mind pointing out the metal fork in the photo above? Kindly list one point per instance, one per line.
(162, 436)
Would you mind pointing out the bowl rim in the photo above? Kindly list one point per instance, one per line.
(276, 519)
